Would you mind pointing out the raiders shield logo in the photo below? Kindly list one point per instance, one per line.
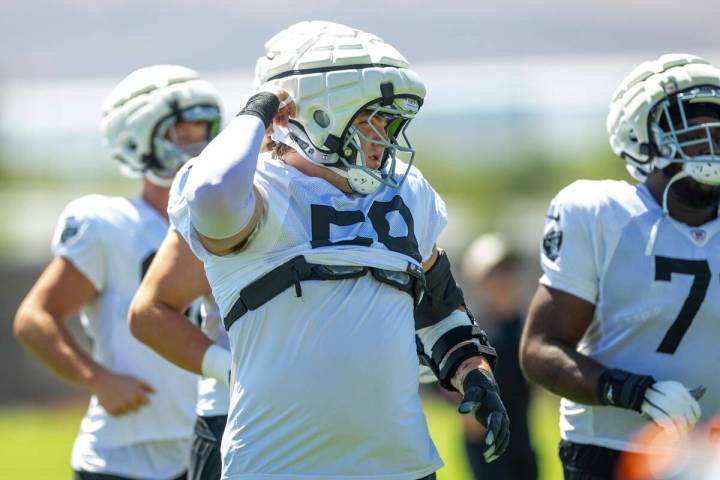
(551, 244)
(70, 229)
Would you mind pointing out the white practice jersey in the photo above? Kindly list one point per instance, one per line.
(655, 314)
(325, 385)
(213, 396)
(112, 240)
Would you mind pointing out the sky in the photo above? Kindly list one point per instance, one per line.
(52, 39)
(538, 70)
(556, 60)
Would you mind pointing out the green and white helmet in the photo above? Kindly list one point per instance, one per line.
(139, 115)
(648, 119)
(334, 73)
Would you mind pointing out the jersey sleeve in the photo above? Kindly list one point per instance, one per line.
(435, 210)
(179, 213)
(78, 238)
(568, 252)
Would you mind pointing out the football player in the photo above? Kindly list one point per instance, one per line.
(624, 325)
(315, 254)
(139, 421)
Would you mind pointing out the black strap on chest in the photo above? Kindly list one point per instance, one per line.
(297, 269)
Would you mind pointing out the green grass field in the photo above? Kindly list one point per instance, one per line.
(445, 429)
(36, 442)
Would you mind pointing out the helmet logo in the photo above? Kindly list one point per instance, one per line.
(408, 104)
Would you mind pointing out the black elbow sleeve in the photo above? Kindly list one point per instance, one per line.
(441, 296)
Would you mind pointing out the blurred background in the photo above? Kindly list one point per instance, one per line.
(517, 98)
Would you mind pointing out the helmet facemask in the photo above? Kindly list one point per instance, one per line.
(393, 139)
(348, 158)
(694, 145)
(140, 114)
(168, 152)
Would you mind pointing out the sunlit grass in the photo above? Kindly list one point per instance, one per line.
(445, 428)
(36, 442)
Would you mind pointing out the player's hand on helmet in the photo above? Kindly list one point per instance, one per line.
(120, 394)
(482, 398)
(287, 108)
(672, 406)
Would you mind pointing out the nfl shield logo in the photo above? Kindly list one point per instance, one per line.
(698, 234)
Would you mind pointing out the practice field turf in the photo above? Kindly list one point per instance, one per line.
(35, 443)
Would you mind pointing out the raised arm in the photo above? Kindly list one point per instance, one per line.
(224, 206)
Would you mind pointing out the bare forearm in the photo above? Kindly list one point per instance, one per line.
(170, 334)
(50, 341)
(472, 363)
(559, 368)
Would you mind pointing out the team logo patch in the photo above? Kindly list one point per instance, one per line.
(551, 244)
(70, 229)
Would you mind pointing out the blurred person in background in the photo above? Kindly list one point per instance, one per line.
(492, 271)
(139, 421)
(624, 324)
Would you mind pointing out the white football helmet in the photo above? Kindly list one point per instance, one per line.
(139, 116)
(334, 73)
(648, 119)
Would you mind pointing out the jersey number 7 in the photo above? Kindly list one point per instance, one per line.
(700, 270)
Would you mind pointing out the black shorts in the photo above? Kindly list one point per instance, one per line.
(205, 461)
(107, 476)
(588, 462)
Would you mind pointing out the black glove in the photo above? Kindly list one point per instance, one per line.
(623, 389)
(482, 397)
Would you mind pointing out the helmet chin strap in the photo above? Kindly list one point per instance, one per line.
(359, 181)
(157, 180)
(666, 213)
